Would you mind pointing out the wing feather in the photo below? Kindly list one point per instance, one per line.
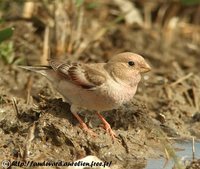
(82, 75)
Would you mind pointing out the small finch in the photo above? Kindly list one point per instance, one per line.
(96, 86)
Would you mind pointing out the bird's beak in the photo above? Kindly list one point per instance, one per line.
(145, 68)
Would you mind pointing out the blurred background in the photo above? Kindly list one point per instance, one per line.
(86, 29)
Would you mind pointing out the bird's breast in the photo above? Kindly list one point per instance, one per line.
(118, 93)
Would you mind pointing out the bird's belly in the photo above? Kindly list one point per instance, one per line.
(100, 99)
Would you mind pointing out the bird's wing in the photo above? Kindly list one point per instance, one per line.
(85, 76)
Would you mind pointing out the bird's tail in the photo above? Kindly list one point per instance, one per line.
(39, 69)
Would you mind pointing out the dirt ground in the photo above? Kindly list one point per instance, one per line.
(36, 123)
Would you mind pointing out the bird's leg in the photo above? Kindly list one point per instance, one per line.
(83, 125)
(106, 126)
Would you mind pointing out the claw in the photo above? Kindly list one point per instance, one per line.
(110, 131)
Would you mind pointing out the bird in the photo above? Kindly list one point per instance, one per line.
(95, 87)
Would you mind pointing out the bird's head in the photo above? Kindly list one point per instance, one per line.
(128, 66)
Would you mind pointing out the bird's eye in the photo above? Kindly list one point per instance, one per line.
(131, 63)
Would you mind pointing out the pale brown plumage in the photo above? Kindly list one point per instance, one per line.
(96, 86)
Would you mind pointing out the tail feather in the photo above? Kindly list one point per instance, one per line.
(39, 69)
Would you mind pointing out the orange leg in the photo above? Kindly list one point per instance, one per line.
(107, 126)
(83, 125)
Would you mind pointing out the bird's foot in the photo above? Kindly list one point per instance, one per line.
(86, 129)
(107, 127)
(84, 126)
(109, 130)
